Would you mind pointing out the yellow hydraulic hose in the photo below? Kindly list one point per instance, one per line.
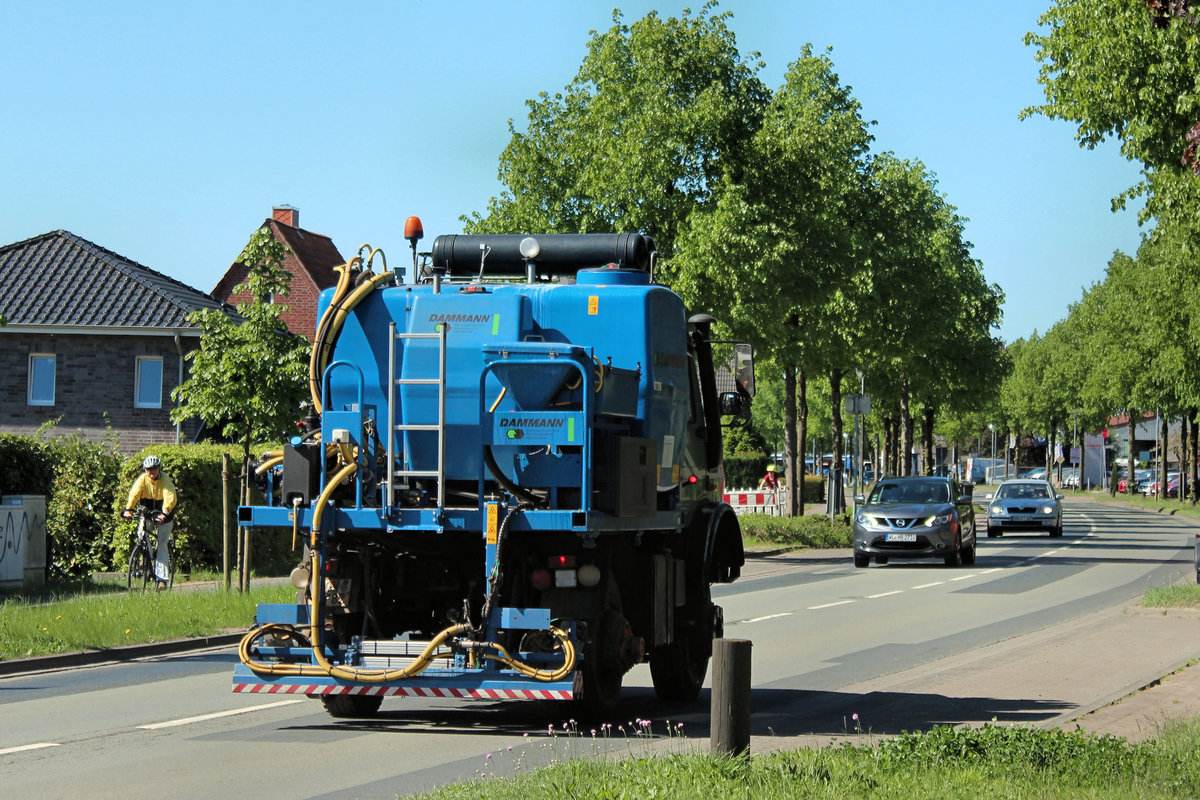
(422, 662)
(343, 286)
(266, 465)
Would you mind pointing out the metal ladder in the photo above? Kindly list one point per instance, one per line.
(439, 427)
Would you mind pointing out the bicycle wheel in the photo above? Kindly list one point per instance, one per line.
(141, 567)
(171, 562)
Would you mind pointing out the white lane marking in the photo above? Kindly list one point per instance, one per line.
(189, 720)
(963, 578)
(884, 594)
(927, 585)
(770, 616)
(22, 748)
(990, 571)
(829, 605)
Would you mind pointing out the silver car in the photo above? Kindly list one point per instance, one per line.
(915, 517)
(1024, 505)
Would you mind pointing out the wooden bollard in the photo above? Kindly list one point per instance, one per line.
(730, 708)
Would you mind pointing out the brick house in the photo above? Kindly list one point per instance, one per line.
(310, 261)
(93, 340)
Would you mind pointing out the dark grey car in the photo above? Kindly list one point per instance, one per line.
(915, 517)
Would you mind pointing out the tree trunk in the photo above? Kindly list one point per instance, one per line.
(927, 438)
(1195, 453)
(1183, 455)
(906, 431)
(802, 433)
(1163, 430)
(795, 477)
(835, 397)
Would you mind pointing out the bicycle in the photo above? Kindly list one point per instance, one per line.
(142, 555)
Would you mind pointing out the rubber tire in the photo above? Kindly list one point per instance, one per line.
(993, 532)
(351, 706)
(140, 568)
(602, 677)
(678, 669)
(954, 559)
(1056, 532)
(861, 560)
(967, 554)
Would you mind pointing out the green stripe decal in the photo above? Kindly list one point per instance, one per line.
(495, 324)
(570, 429)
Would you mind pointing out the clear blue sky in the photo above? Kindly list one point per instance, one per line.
(166, 132)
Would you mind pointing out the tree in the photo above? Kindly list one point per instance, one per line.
(248, 377)
(777, 246)
(1126, 69)
(658, 111)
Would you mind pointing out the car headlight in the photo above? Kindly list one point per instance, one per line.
(997, 511)
(1048, 510)
(939, 520)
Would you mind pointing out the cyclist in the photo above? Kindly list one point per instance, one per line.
(154, 490)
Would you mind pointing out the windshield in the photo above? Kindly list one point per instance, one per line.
(1022, 491)
(910, 492)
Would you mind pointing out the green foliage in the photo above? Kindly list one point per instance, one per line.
(195, 470)
(247, 379)
(744, 471)
(80, 495)
(815, 531)
(26, 464)
(640, 137)
(743, 440)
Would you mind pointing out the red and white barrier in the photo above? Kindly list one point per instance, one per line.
(756, 501)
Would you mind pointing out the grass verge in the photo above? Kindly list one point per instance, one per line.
(1180, 595)
(104, 619)
(1014, 762)
(813, 531)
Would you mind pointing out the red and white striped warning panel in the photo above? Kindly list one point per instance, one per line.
(749, 501)
(406, 691)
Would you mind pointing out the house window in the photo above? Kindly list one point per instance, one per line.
(41, 379)
(147, 390)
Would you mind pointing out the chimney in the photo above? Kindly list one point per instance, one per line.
(287, 215)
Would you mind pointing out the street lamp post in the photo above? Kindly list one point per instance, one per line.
(858, 433)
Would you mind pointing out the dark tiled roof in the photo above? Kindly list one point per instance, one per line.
(61, 279)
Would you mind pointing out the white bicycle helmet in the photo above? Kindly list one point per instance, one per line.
(151, 461)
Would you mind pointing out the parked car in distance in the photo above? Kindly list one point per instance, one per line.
(915, 517)
(1039, 474)
(1070, 477)
(1022, 505)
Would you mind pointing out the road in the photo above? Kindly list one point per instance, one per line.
(830, 641)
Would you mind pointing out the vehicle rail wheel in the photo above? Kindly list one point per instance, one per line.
(351, 706)
(861, 560)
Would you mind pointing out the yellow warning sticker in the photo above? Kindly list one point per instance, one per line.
(593, 304)
(493, 522)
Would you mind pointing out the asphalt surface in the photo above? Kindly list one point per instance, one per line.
(1122, 671)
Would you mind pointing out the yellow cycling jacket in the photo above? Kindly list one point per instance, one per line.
(160, 494)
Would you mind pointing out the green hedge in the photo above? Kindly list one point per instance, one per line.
(85, 484)
(814, 531)
(195, 470)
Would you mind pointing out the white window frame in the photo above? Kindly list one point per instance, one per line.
(137, 382)
(30, 396)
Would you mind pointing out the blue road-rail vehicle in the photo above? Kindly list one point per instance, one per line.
(509, 485)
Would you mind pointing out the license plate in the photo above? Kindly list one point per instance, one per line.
(1022, 519)
(901, 537)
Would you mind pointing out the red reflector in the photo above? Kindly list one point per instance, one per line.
(540, 579)
(692, 479)
(562, 562)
